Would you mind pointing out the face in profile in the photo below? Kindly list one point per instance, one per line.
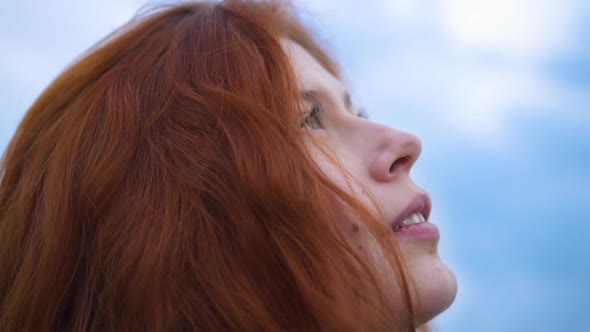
(380, 158)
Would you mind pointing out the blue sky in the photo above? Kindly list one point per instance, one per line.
(498, 90)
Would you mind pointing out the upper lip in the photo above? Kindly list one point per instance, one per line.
(421, 203)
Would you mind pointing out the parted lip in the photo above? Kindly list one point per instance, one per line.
(420, 203)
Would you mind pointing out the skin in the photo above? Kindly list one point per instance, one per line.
(368, 149)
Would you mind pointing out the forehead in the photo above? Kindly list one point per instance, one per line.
(311, 75)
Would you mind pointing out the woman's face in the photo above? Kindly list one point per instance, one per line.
(381, 159)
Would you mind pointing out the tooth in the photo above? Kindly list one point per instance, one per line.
(408, 221)
(421, 217)
(416, 218)
(412, 219)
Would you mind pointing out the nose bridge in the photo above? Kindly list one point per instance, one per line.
(394, 153)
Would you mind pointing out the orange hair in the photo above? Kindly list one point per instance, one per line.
(162, 183)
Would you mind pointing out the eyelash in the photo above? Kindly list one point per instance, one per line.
(315, 115)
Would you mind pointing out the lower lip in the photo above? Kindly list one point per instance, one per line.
(423, 230)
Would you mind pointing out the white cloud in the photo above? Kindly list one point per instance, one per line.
(460, 96)
(56, 34)
(462, 89)
(26, 66)
(89, 15)
(483, 66)
(404, 11)
(520, 29)
(69, 25)
(482, 99)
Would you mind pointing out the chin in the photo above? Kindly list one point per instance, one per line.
(436, 287)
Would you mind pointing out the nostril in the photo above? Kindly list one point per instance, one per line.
(398, 163)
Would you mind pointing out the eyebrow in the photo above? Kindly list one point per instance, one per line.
(317, 95)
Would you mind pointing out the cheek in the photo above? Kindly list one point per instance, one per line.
(348, 176)
(353, 229)
(350, 227)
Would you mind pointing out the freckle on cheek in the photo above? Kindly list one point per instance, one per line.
(355, 228)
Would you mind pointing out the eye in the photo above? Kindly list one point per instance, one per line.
(313, 119)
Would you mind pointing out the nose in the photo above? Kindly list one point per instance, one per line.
(395, 154)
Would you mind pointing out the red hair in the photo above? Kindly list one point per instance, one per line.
(162, 183)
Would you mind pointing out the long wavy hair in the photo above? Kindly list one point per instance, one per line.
(163, 183)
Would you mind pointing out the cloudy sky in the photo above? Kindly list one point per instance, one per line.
(499, 92)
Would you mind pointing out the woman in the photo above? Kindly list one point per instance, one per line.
(203, 169)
